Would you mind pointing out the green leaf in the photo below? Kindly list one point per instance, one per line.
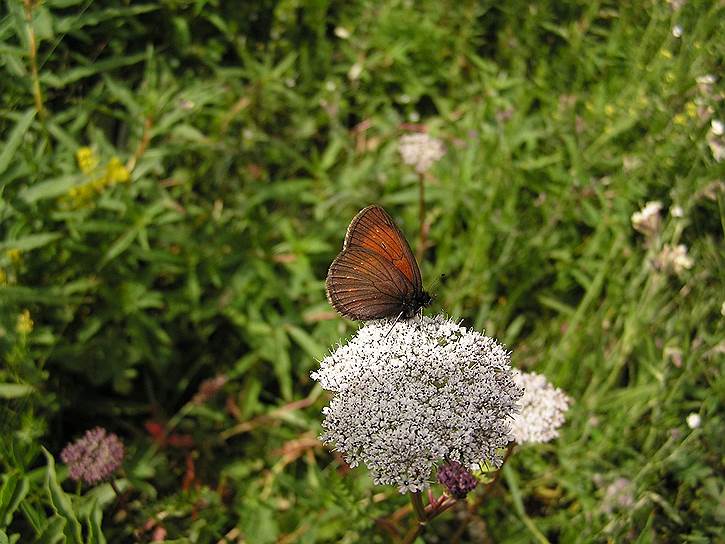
(95, 531)
(313, 348)
(29, 242)
(53, 532)
(15, 390)
(50, 188)
(8, 149)
(14, 489)
(60, 502)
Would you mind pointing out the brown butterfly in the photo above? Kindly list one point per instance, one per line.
(375, 275)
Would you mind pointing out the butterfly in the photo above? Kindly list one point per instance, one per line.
(375, 275)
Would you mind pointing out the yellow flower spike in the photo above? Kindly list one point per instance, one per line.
(116, 171)
(25, 323)
(680, 119)
(98, 184)
(87, 159)
(15, 255)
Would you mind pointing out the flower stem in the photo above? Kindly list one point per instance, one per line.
(417, 500)
(33, 54)
(423, 235)
(115, 487)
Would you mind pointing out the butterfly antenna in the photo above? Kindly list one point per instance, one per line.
(393, 325)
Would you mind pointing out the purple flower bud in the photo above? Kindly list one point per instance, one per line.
(93, 457)
(456, 479)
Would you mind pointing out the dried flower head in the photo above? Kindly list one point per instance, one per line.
(406, 399)
(647, 220)
(457, 479)
(673, 259)
(208, 388)
(420, 151)
(706, 84)
(542, 410)
(93, 457)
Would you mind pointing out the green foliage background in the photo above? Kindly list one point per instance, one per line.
(240, 126)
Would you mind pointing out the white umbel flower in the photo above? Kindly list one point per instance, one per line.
(420, 151)
(408, 398)
(542, 410)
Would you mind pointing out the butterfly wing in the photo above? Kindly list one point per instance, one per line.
(363, 285)
(373, 229)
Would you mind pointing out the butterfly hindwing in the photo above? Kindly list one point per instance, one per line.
(361, 284)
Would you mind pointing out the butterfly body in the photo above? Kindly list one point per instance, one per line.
(375, 275)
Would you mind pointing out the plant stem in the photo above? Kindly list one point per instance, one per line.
(33, 56)
(423, 235)
(509, 451)
(115, 488)
(417, 500)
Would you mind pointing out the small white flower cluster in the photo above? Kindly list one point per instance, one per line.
(715, 140)
(420, 151)
(405, 399)
(674, 259)
(542, 410)
(647, 220)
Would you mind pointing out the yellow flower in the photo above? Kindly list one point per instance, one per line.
(116, 172)
(87, 159)
(609, 110)
(25, 323)
(666, 53)
(680, 119)
(15, 255)
(3, 277)
(691, 109)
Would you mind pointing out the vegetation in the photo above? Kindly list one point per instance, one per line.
(176, 177)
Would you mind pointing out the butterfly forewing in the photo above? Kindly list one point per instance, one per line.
(361, 284)
(373, 229)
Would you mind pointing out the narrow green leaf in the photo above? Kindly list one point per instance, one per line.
(8, 149)
(13, 491)
(95, 531)
(53, 532)
(50, 188)
(32, 241)
(60, 502)
(313, 348)
(15, 390)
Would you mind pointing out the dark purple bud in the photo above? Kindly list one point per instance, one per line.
(457, 479)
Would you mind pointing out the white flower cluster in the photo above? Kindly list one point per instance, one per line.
(674, 259)
(408, 398)
(420, 151)
(542, 410)
(647, 220)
